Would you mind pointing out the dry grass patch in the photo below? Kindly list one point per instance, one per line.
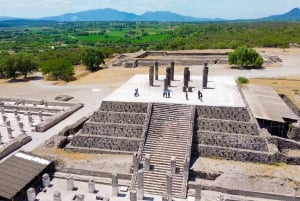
(289, 87)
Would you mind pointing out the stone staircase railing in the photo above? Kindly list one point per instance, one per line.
(138, 156)
(188, 154)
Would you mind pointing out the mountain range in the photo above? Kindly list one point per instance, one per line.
(108, 14)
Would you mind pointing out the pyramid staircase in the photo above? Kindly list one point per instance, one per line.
(170, 134)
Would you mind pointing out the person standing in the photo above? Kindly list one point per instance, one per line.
(200, 95)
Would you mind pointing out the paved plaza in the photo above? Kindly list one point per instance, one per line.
(221, 91)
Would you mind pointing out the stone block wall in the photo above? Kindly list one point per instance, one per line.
(116, 130)
(228, 113)
(239, 154)
(225, 126)
(118, 117)
(104, 142)
(232, 141)
(124, 107)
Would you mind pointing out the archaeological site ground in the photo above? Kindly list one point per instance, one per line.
(156, 125)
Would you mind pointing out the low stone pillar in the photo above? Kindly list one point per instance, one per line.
(133, 196)
(1, 142)
(18, 118)
(169, 185)
(198, 193)
(28, 113)
(46, 180)
(91, 186)
(166, 197)
(115, 185)
(2, 111)
(156, 70)
(151, 76)
(46, 104)
(21, 126)
(70, 183)
(205, 76)
(168, 75)
(147, 162)
(80, 197)
(140, 188)
(56, 196)
(41, 115)
(31, 195)
(4, 118)
(16, 112)
(9, 133)
(7, 123)
(166, 84)
(173, 164)
(172, 70)
(135, 164)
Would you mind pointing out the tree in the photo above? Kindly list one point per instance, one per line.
(244, 56)
(25, 64)
(3, 56)
(92, 58)
(58, 69)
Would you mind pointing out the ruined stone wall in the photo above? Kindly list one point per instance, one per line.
(239, 154)
(124, 107)
(14, 144)
(51, 121)
(104, 142)
(229, 113)
(116, 130)
(232, 141)
(31, 109)
(225, 126)
(117, 117)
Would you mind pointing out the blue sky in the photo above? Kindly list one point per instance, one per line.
(228, 9)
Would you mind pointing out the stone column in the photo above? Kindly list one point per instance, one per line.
(147, 162)
(168, 75)
(140, 188)
(115, 185)
(9, 133)
(172, 70)
(2, 111)
(1, 142)
(166, 84)
(151, 76)
(198, 193)
(133, 196)
(205, 76)
(169, 185)
(70, 183)
(156, 70)
(135, 162)
(18, 118)
(80, 197)
(31, 194)
(186, 76)
(173, 164)
(56, 196)
(91, 186)
(7, 123)
(46, 180)
(16, 112)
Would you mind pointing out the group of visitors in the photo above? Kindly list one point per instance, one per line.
(167, 93)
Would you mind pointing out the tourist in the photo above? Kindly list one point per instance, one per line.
(186, 95)
(164, 94)
(200, 95)
(169, 93)
(136, 92)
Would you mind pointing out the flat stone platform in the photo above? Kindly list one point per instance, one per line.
(221, 91)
